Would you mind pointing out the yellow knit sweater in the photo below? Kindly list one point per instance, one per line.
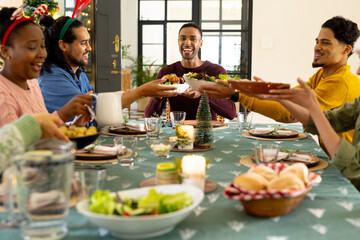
(332, 92)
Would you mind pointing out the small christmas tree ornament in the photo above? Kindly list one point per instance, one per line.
(204, 135)
(33, 8)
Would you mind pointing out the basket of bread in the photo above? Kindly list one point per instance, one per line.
(270, 190)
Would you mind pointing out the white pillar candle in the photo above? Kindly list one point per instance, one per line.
(193, 170)
(187, 132)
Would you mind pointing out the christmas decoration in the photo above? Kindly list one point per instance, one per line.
(30, 6)
(204, 135)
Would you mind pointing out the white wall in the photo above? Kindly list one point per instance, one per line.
(10, 3)
(129, 27)
(293, 25)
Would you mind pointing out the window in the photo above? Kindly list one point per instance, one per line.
(226, 26)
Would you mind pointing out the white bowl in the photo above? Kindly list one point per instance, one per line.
(180, 88)
(147, 226)
(195, 83)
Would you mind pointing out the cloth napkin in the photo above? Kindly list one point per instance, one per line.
(38, 200)
(295, 157)
(103, 149)
(267, 130)
(132, 126)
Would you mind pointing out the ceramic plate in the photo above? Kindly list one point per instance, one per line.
(266, 135)
(256, 87)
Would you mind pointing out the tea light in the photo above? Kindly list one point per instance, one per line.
(193, 170)
(186, 132)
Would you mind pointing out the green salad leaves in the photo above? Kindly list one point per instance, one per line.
(226, 77)
(104, 202)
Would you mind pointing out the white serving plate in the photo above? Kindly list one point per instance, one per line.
(196, 83)
(147, 226)
(180, 88)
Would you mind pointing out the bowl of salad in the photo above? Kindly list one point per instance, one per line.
(174, 81)
(142, 212)
(195, 80)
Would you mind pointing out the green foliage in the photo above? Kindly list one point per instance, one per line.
(204, 134)
(141, 71)
(125, 50)
(30, 6)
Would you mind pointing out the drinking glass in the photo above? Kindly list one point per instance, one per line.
(89, 179)
(125, 150)
(152, 126)
(266, 153)
(43, 175)
(244, 120)
(177, 117)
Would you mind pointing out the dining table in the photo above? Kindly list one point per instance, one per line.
(331, 210)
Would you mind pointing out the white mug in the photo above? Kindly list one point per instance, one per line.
(109, 108)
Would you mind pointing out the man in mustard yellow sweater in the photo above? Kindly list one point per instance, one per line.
(333, 83)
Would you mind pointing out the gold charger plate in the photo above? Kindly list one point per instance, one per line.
(209, 185)
(248, 162)
(300, 136)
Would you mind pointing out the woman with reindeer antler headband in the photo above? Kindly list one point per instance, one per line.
(62, 77)
(23, 51)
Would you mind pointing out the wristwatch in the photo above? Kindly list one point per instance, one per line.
(235, 97)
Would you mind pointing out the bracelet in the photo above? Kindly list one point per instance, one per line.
(235, 97)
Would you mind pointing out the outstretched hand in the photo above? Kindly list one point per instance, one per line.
(154, 89)
(303, 96)
(49, 126)
(190, 93)
(222, 90)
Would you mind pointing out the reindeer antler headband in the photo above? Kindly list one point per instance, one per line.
(79, 6)
(18, 16)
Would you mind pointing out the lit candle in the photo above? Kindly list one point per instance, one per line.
(186, 132)
(193, 170)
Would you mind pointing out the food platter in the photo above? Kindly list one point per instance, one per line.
(289, 134)
(256, 87)
(195, 83)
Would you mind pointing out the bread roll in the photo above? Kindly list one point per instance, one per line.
(251, 181)
(299, 169)
(267, 172)
(287, 181)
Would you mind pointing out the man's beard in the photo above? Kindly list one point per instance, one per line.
(80, 63)
(316, 65)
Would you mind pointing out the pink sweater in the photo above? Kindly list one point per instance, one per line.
(16, 101)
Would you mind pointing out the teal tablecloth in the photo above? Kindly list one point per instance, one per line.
(330, 211)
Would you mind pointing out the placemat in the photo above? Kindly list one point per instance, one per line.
(300, 136)
(195, 149)
(106, 132)
(128, 154)
(248, 162)
(222, 127)
(209, 185)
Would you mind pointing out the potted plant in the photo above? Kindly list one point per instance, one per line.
(142, 72)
